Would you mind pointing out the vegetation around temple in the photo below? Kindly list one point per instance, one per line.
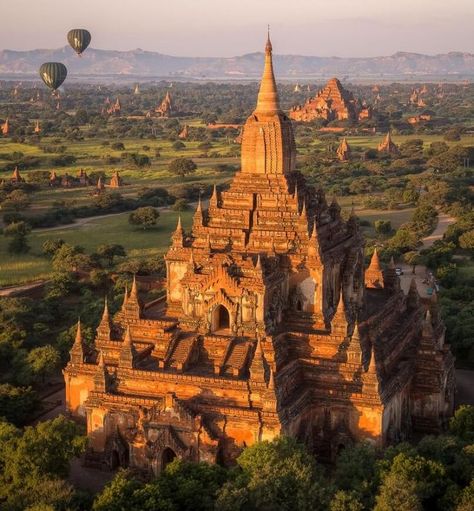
(435, 474)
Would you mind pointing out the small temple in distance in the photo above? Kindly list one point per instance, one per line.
(343, 152)
(165, 108)
(388, 145)
(270, 325)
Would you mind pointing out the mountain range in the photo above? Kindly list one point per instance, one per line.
(151, 64)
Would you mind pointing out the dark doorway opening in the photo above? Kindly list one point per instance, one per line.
(167, 457)
(224, 320)
(114, 460)
(220, 319)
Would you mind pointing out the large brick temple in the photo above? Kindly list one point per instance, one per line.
(271, 325)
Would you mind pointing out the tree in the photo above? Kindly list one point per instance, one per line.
(35, 462)
(50, 247)
(403, 241)
(178, 145)
(70, 258)
(43, 360)
(109, 252)
(18, 232)
(144, 217)
(17, 200)
(447, 274)
(182, 166)
(453, 135)
(99, 278)
(119, 494)
(462, 424)
(397, 494)
(182, 486)
(17, 403)
(466, 502)
(412, 483)
(410, 195)
(139, 160)
(383, 226)
(413, 259)
(466, 241)
(356, 471)
(186, 486)
(346, 501)
(275, 475)
(180, 205)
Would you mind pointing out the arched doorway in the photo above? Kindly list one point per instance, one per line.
(220, 318)
(167, 457)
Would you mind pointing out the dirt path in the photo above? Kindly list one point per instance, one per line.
(421, 273)
(23, 288)
(78, 223)
(444, 221)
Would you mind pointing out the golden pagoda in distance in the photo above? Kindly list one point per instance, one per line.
(270, 325)
(388, 145)
(5, 127)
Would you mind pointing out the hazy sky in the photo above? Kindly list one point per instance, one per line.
(234, 27)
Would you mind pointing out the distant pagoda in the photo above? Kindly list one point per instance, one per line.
(388, 146)
(343, 151)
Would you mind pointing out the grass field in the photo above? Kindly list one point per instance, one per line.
(94, 232)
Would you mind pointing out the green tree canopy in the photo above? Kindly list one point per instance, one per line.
(182, 166)
(144, 217)
(275, 475)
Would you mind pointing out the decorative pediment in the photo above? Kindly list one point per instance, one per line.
(220, 278)
(220, 297)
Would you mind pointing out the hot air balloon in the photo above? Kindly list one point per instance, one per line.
(53, 74)
(79, 39)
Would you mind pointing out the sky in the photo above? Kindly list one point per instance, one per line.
(346, 28)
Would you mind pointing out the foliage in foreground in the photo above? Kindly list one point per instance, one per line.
(436, 475)
(35, 462)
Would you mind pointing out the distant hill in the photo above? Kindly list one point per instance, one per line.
(152, 64)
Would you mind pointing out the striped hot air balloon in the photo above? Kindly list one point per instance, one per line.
(53, 74)
(79, 39)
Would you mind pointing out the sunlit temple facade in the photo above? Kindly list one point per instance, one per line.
(271, 325)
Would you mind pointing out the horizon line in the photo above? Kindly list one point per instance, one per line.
(67, 47)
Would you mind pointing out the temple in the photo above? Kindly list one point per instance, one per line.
(343, 152)
(165, 108)
(116, 180)
(269, 325)
(332, 103)
(5, 127)
(388, 145)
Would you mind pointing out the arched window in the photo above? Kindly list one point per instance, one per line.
(299, 305)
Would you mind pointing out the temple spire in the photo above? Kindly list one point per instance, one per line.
(178, 235)
(77, 350)
(127, 351)
(78, 339)
(133, 296)
(213, 201)
(104, 330)
(257, 367)
(125, 297)
(267, 102)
